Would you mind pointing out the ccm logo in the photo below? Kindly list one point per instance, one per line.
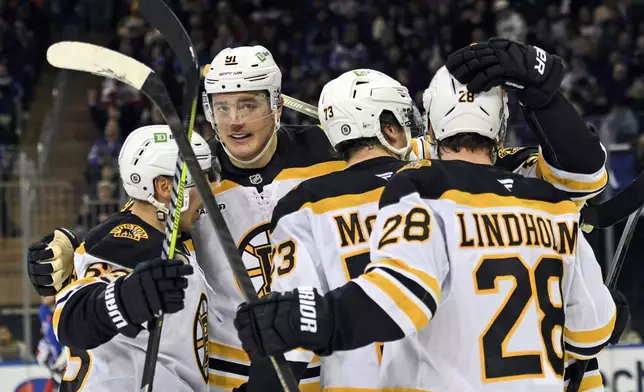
(541, 60)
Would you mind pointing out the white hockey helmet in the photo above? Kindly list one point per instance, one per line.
(351, 104)
(240, 69)
(453, 110)
(150, 152)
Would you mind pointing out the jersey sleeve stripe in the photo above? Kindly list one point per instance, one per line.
(585, 353)
(573, 182)
(298, 173)
(345, 201)
(226, 383)
(62, 294)
(420, 292)
(406, 304)
(421, 277)
(227, 352)
(592, 337)
(489, 200)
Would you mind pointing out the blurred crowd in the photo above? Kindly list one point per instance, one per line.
(315, 40)
(27, 27)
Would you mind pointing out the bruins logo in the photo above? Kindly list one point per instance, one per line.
(200, 336)
(416, 164)
(129, 231)
(256, 252)
(504, 152)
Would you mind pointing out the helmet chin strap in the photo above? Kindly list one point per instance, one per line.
(162, 210)
(259, 156)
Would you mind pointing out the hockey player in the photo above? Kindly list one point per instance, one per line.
(102, 316)
(320, 230)
(502, 309)
(569, 155)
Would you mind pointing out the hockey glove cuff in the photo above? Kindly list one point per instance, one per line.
(116, 310)
(280, 322)
(529, 70)
(153, 288)
(51, 261)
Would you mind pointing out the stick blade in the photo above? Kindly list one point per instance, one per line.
(84, 57)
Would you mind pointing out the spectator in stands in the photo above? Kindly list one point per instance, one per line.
(104, 151)
(509, 23)
(636, 95)
(621, 123)
(10, 96)
(12, 349)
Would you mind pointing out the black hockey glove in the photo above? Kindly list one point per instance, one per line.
(621, 319)
(280, 322)
(530, 71)
(152, 288)
(50, 261)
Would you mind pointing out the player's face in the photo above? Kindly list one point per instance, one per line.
(245, 122)
(191, 215)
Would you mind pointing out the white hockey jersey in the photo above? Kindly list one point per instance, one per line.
(333, 241)
(321, 239)
(497, 263)
(111, 250)
(246, 199)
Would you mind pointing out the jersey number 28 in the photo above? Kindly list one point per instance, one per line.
(529, 283)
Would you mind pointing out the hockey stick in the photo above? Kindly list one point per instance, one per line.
(58, 55)
(108, 63)
(300, 106)
(611, 281)
(618, 207)
(163, 19)
(159, 11)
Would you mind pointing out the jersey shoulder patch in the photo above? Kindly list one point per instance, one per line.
(513, 158)
(129, 231)
(124, 239)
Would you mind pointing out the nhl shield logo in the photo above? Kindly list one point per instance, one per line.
(255, 179)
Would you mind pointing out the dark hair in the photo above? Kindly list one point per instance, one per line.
(346, 149)
(468, 141)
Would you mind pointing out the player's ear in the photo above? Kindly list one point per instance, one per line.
(162, 188)
(281, 106)
(395, 135)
